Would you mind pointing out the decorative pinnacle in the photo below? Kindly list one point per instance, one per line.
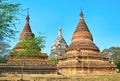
(27, 18)
(60, 32)
(81, 15)
(105, 51)
(27, 11)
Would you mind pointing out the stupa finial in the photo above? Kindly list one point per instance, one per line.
(81, 14)
(60, 31)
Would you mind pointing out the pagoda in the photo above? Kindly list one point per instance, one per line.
(59, 46)
(26, 33)
(83, 56)
(37, 64)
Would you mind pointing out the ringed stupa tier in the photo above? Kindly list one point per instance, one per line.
(83, 56)
(82, 38)
(59, 46)
(26, 32)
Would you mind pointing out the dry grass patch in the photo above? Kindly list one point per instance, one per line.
(107, 77)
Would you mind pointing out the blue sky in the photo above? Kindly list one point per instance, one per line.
(46, 16)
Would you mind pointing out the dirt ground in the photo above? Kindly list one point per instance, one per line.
(44, 77)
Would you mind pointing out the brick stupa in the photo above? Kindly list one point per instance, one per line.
(36, 60)
(37, 64)
(83, 56)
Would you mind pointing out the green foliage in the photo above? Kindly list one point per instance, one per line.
(4, 48)
(3, 58)
(31, 46)
(114, 53)
(53, 61)
(8, 19)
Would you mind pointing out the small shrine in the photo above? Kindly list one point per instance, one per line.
(59, 46)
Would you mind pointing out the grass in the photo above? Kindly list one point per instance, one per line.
(107, 77)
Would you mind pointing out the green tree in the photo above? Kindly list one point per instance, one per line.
(3, 58)
(8, 18)
(4, 49)
(53, 61)
(32, 46)
(114, 54)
